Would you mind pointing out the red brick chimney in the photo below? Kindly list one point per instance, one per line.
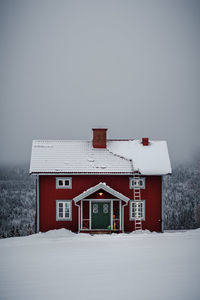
(145, 141)
(99, 137)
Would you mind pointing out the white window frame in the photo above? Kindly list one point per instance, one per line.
(63, 180)
(137, 185)
(132, 202)
(64, 218)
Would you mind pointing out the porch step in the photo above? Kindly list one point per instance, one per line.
(101, 232)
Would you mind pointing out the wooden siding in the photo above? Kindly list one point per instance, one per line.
(49, 194)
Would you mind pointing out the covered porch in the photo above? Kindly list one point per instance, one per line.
(101, 214)
(101, 209)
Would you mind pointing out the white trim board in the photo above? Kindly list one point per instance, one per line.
(83, 173)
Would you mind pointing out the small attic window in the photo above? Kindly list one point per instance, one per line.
(138, 183)
(63, 182)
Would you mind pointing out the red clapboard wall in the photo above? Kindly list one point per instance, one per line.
(49, 194)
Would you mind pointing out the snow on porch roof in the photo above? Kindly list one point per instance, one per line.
(101, 186)
(68, 157)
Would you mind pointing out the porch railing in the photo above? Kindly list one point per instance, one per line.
(85, 224)
(116, 224)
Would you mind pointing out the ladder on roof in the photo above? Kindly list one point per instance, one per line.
(137, 197)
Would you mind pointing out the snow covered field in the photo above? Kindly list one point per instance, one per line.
(63, 265)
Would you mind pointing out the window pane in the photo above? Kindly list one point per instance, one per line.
(67, 205)
(133, 210)
(95, 208)
(67, 212)
(60, 208)
(67, 182)
(142, 210)
(60, 182)
(67, 209)
(105, 208)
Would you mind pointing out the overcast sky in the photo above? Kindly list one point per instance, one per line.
(130, 66)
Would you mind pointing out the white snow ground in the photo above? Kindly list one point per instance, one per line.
(62, 265)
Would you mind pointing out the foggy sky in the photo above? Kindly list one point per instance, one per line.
(68, 66)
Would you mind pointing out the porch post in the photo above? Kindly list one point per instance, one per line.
(90, 221)
(120, 222)
(81, 215)
(122, 218)
(111, 225)
(162, 207)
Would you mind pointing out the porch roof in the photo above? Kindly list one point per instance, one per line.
(102, 186)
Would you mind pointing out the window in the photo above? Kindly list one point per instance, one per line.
(63, 182)
(105, 208)
(138, 183)
(137, 210)
(63, 210)
(95, 208)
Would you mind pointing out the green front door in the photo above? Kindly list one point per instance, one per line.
(100, 215)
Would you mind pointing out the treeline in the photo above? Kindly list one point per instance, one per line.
(17, 200)
(182, 197)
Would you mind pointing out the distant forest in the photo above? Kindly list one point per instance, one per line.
(17, 200)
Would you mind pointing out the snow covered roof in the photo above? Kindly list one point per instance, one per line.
(101, 186)
(149, 160)
(120, 157)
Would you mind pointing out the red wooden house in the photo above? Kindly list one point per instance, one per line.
(100, 185)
